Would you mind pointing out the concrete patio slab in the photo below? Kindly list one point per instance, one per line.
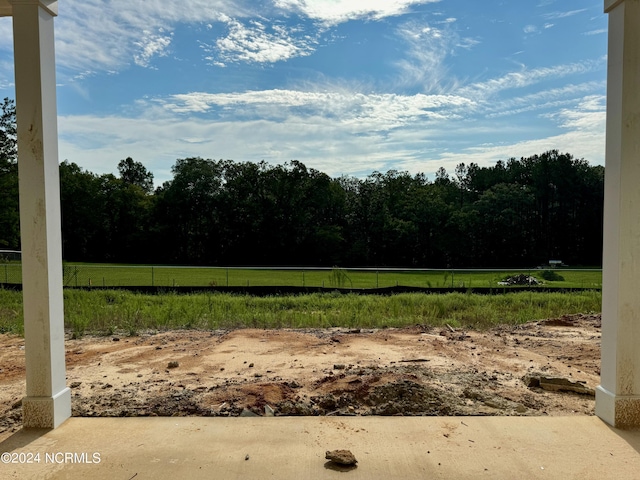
(294, 448)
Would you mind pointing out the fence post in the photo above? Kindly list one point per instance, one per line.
(303, 278)
(377, 284)
(152, 284)
(6, 275)
(227, 277)
(76, 274)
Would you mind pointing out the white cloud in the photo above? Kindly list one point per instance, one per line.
(6, 33)
(158, 12)
(332, 12)
(583, 120)
(325, 145)
(427, 49)
(151, 45)
(528, 29)
(526, 77)
(467, 43)
(589, 115)
(373, 112)
(336, 131)
(6, 60)
(257, 43)
(596, 32)
(584, 138)
(108, 35)
(557, 15)
(545, 99)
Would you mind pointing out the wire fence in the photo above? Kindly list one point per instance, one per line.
(90, 275)
(11, 273)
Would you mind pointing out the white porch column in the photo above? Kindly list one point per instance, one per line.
(48, 400)
(618, 396)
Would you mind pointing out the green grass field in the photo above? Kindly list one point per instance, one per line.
(117, 311)
(136, 275)
(107, 311)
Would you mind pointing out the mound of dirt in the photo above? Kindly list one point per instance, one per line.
(410, 371)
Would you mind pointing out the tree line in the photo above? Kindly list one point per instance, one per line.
(516, 213)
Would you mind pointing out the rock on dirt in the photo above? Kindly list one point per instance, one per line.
(341, 457)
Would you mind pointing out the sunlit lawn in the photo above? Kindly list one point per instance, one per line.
(140, 275)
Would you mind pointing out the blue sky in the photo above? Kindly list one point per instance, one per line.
(344, 86)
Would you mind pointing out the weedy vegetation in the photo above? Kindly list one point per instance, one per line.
(105, 312)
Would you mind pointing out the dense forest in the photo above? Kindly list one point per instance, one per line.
(517, 213)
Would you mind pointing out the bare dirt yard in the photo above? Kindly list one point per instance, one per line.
(548, 367)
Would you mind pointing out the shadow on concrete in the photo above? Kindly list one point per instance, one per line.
(336, 467)
(22, 438)
(631, 436)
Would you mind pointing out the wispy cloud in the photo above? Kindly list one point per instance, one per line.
(338, 131)
(362, 112)
(542, 100)
(596, 32)
(334, 148)
(109, 35)
(339, 126)
(424, 61)
(584, 123)
(557, 15)
(590, 114)
(427, 49)
(6, 33)
(526, 77)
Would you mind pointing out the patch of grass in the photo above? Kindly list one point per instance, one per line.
(99, 275)
(11, 314)
(110, 311)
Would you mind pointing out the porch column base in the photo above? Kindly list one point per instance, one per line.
(46, 412)
(619, 411)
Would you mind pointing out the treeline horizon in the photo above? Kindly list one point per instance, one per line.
(517, 213)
